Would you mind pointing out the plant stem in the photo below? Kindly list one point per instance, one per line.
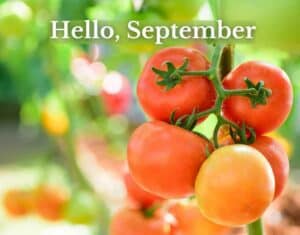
(255, 228)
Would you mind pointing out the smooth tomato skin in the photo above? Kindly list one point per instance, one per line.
(165, 159)
(235, 185)
(277, 158)
(139, 195)
(189, 221)
(194, 92)
(133, 222)
(263, 118)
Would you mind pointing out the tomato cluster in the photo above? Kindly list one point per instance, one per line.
(46, 201)
(240, 172)
(53, 203)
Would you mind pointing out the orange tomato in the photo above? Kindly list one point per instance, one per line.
(277, 158)
(49, 202)
(189, 221)
(235, 185)
(18, 202)
(133, 222)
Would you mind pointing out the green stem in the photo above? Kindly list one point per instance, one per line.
(255, 228)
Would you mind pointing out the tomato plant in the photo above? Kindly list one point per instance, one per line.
(139, 195)
(238, 174)
(134, 222)
(263, 118)
(158, 101)
(164, 159)
(189, 221)
(235, 183)
(277, 158)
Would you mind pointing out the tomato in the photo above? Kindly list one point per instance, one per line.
(142, 197)
(116, 93)
(189, 221)
(263, 118)
(277, 158)
(133, 222)
(55, 122)
(235, 185)
(285, 143)
(177, 10)
(194, 92)
(165, 159)
(15, 18)
(50, 202)
(18, 202)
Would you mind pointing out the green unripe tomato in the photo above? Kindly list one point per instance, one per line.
(14, 18)
(277, 22)
(177, 10)
(84, 208)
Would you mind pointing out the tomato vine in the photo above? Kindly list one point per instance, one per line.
(257, 93)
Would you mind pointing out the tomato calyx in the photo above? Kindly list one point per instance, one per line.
(260, 92)
(257, 94)
(149, 212)
(172, 76)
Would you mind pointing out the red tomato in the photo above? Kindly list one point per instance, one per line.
(194, 92)
(139, 195)
(165, 159)
(116, 93)
(263, 118)
(189, 221)
(133, 222)
(277, 158)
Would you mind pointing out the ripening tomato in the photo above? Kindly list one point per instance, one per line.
(139, 195)
(263, 118)
(277, 158)
(284, 142)
(134, 222)
(49, 202)
(18, 202)
(165, 159)
(55, 122)
(194, 92)
(235, 185)
(189, 221)
(116, 93)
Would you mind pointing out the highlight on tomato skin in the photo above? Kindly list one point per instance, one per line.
(143, 198)
(263, 118)
(164, 159)
(235, 185)
(134, 222)
(158, 103)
